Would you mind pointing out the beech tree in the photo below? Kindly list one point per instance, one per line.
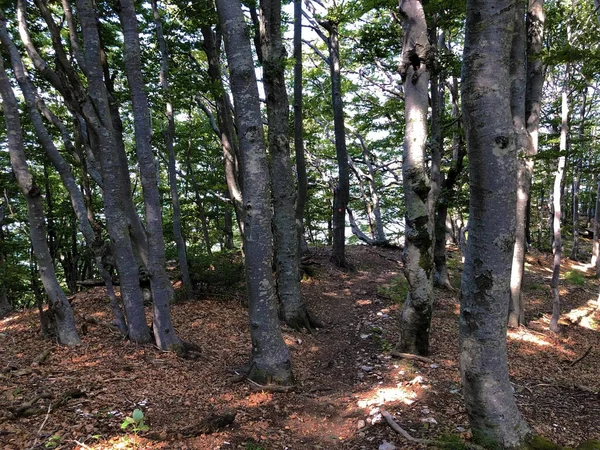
(492, 143)
(60, 311)
(418, 250)
(271, 361)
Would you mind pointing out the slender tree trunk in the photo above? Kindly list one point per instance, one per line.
(447, 193)
(64, 318)
(5, 306)
(115, 191)
(270, 356)
(595, 262)
(226, 129)
(164, 332)
(577, 164)
(492, 148)
(284, 194)
(557, 242)
(341, 193)
(35, 103)
(418, 250)
(299, 129)
(533, 99)
(169, 135)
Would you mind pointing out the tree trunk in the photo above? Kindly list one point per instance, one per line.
(169, 135)
(595, 262)
(34, 102)
(533, 98)
(341, 193)
(164, 332)
(557, 242)
(298, 128)
(115, 191)
(577, 164)
(270, 356)
(284, 194)
(418, 250)
(227, 133)
(5, 306)
(447, 193)
(492, 149)
(63, 316)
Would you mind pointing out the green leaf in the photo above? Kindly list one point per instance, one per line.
(138, 415)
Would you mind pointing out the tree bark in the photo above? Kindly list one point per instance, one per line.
(34, 102)
(533, 99)
(169, 135)
(164, 332)
(270, 356)
(595, 262)
(418, 250)
(556, 223)
(5, 306)
(284, 194)
(299, 128)
(492, 146)
(115, 190)
(341, 193)
(63, 316)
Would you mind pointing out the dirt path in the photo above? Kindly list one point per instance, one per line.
(344, 373)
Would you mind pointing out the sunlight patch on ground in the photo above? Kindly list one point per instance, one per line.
(584, 316)
(523, 334)
(403, 392)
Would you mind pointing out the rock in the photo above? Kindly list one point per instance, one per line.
(387, 446)
(360, 424)
(429, 420)
(366, 368)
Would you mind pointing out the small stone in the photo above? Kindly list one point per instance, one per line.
(387, 446)
(360, 424)
(461, 429)
(429, 420)
(425, 411)
(366, 368)
(365, 336)
(434, 366)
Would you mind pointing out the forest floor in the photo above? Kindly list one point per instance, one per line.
(79, 397)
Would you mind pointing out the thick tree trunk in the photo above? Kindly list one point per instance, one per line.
(299, 128)
(557, 213)
(100, 124)
(533, 98)
(162, 292)
(284, 194)
(270, 356)
(169, 135)
(492, 147)
(418, 250)
(63, 316)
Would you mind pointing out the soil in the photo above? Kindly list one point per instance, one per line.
(78, 398)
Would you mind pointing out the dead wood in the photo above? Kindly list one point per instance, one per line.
(587, 352)
(39, 359)
(210, 424)
(411, 357)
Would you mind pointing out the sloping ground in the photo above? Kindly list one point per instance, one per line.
(78, 398)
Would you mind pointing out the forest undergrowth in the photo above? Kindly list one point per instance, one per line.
(78, 398)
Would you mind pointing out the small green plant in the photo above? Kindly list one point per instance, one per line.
(250, 445)
(575, 278)
(536, 287)
(452, 442)
(395, 291)
(136, 422)
(53, 441)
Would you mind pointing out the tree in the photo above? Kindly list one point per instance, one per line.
(533, 97)
(492, 146)
(270, 356)
(169, 136)
(62, 314)
(418, 249)
(284, 194)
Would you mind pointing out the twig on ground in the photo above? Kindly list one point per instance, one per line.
(411, 356)
(269, 388)
(402, 432)
(587, 352)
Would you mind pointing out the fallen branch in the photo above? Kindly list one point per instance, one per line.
(269, 388)
(411, 356)
(39, 359)
(587, 352)
(402, 432)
